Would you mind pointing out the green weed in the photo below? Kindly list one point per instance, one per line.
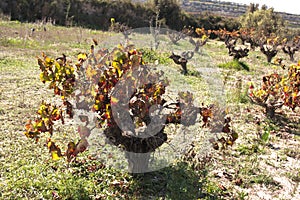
(151, 56)
(234, 64)
(249, 149)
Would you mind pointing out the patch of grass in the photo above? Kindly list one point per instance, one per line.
(8, 63)
(235, 95)
(294, 176)
(151, 56)
(294, 153)
(242, 195)
(265, 136)
(7, 23)
(193, 72)
(243, 97)
(249, 149)
(268, 128)
(263, 178)
(249, 170)
(84, 180)
(175, 182)
(234, 64)
(18, 42)
(80, 46)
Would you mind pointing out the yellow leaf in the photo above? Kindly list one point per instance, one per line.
(49, 144)
(284, 40)
(114, 100)
(54, 150)
(282, 82)
(204, 37)
(55, 155)
(90, 72)
(41, 110)
(42, 77)
(259, 93)
(57, 66)
(120, 46)
(96, 107)
(82, 56)
(116, 66)
(94, 92)
(294, 95)
(39, 124)
(48, 61)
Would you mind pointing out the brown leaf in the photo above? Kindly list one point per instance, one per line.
(54, 150)
(70, 153)
(238, 181)
(222, 187)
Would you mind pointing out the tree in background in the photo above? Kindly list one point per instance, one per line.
(264, 21)
(96, 14)
(171, 11)
(253, 7)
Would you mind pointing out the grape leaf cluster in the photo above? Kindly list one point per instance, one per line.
(92, 82)
(277, 90)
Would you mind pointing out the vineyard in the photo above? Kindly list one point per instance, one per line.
(230, 98)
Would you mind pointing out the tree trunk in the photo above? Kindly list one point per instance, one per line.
(137, 162)
(292, 56)
(269, 58)
(270, 111)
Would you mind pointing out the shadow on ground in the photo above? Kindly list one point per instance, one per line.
(175, 182)
(288, 124)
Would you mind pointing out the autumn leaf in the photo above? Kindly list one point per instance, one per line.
(69, 109)
(70, 153)
(48, 61)
(29, 126)
(234, 135)
(41, 126)
(95, 41)
(54, 150)
(90, 72)
(226, 128)
(82, 56)
(206, 114)
(114, 100)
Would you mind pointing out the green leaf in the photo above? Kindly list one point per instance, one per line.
(265, 136)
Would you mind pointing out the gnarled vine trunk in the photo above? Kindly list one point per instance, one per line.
(270, 111)
(137, 162)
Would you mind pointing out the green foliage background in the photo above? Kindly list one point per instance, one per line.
(263, 20)
(97, 13)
